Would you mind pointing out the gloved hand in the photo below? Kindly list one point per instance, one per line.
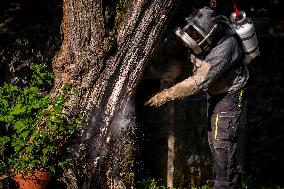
(158, 99)
(192, 59)
(182, 89)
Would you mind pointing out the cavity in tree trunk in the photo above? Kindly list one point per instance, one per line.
(105, 49)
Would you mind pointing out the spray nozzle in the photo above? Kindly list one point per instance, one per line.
(238, 15)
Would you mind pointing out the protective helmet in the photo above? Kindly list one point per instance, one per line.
(201, 22)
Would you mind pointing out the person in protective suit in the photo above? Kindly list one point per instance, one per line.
(219, 71)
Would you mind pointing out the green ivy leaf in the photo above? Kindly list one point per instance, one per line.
(17, 148)
(52, 169)
(65, 162)
(45, 150)
(4, 102)
(66, 86)
(29, 149)
(19, 126)
(33, 89)
(25, 134)
(8, 118)
(43, 159)
(18, 109)
(36, 104)
(2, 118)
(56, 119)
(4, 139)
(52, 127)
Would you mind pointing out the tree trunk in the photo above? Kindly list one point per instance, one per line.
(105, 63)
(171, 146)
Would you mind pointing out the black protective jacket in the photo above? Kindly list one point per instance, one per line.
(227, 72)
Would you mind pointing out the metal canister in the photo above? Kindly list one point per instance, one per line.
(245, 29)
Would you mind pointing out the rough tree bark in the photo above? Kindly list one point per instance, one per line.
(105, 65)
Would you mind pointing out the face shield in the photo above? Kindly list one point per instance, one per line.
(197, 33)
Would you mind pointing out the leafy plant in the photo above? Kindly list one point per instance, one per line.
(205, 187)
(153, 184)
(37, 128)
(121, 8)
(247, 181)
(41, 76)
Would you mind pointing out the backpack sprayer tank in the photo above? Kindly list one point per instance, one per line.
(245, 29)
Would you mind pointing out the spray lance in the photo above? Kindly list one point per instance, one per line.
(245, 29)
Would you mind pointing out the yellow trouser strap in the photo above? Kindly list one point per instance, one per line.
(216, 126)
(240, 98)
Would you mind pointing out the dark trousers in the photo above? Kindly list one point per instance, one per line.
(224, 121)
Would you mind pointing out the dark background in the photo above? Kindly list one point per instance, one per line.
(262, 136)
(30, 33)
(265, 137)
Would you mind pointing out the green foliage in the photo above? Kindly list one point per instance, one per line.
(153, 184)
(121, 8)
(247, 182)
(205, 187)
(37, 126)
(40, 75)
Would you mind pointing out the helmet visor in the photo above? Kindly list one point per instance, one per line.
(194, 34)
